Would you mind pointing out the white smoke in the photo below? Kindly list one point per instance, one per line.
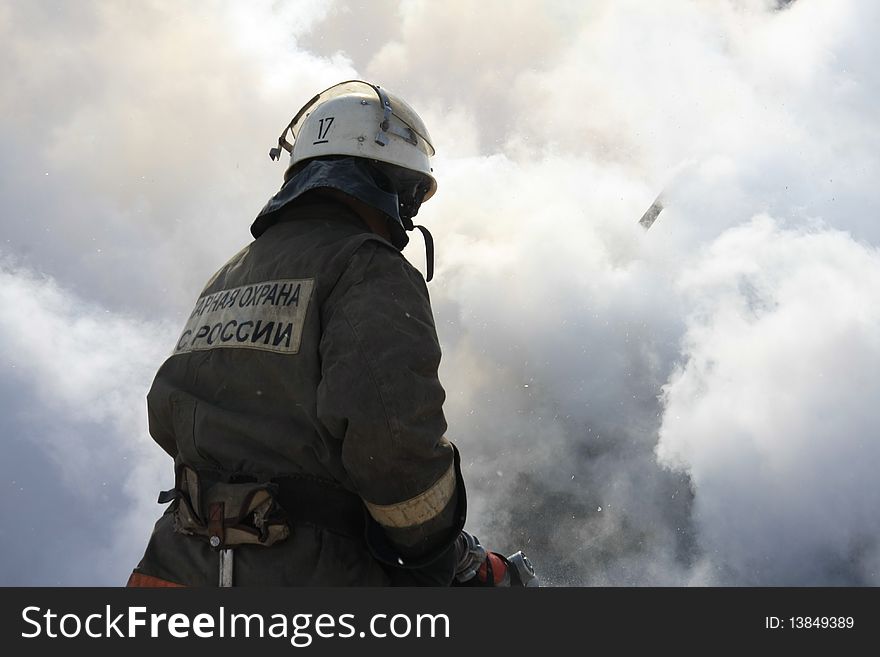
(773, 413)
(83, 372)
(670, 407)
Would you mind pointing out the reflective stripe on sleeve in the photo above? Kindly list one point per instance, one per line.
(419, 509)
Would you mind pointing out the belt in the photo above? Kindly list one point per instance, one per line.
(325, 505)
(301, 498)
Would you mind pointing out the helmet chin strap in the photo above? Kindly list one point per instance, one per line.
(429, 252)
(400, 238)
(409, 200)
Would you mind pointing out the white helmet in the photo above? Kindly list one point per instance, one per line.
(362, 120)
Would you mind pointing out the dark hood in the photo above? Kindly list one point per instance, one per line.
(350, 175)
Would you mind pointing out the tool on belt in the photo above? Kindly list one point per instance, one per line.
(230, 509)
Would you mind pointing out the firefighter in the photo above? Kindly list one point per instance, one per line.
(301, 403)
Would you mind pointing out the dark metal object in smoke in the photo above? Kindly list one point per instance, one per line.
(652, 213)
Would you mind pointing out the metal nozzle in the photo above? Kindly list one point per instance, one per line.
(523, 570)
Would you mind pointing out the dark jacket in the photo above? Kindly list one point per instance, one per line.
(312, 355)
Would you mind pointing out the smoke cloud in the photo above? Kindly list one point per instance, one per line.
(772, 413)
(691, 405)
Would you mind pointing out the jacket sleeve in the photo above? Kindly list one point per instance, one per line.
(381, 396)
